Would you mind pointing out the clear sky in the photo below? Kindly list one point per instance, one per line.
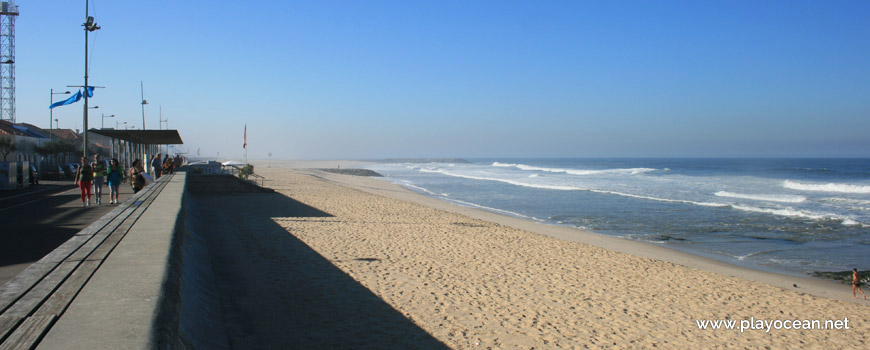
(373, 79)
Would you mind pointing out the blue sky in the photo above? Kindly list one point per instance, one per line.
(371, 79)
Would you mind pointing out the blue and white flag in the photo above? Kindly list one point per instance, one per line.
(72, 99)
(90, 91)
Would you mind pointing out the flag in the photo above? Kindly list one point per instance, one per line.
(72, 99)
(197, 151)
(245, 145)
(90, 91)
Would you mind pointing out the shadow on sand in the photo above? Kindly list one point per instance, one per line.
(276, 292)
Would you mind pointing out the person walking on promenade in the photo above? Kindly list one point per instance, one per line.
(84, 177)
(115, 175)
(856, 284)
(157, 165)
(136, 178)
(99, 178)
(167, 165)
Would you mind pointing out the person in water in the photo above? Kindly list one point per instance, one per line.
(856, 284)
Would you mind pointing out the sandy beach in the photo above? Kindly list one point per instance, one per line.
(472, 279)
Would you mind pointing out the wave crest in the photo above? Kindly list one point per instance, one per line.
(762, 197)
(629, 171)
(828, 187)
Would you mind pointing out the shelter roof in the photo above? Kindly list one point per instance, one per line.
(148, 137)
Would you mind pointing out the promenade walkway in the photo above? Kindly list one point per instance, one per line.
(37, 220)
(166, 270)
(80, 286)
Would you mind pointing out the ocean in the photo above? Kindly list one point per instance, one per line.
(792, 216)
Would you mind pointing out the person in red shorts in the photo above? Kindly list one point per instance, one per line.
(84, 179)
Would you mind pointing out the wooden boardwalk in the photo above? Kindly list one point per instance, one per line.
(32, 302)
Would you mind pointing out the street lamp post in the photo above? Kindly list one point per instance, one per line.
(103, 125)
(117, 124)
(51, 110)
(142, 88)
(90, 26)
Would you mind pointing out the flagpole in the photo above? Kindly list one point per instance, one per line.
(246, 145)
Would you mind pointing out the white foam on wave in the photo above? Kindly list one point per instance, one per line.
(469, 204)
(511, 182)
(828, 187)
(630, 171)
(703, 204)
(796, 213)
(763, 197)
(409, 185)
(570, 188)
(848, 203)
(788, 212)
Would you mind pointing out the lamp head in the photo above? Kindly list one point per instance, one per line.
(90, 24)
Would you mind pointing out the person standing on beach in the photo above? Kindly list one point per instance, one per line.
(115, 175)
(856, 284)
(99, 178)
(136, 178)
(84, 177)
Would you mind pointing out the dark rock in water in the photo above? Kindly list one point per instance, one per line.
(354, 172)
(842, 276)
(671, 238)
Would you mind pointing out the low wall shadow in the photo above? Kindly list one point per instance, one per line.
(278, 293)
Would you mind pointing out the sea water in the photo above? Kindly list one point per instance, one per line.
(787, 215)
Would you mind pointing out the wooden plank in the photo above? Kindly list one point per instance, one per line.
(65, 249)
(36, 296)
(7, 325)
(29, 333)
(16, 287)
(63, 296)
(109, 244)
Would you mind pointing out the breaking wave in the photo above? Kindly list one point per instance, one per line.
(795, 213)
(787, 212)
(828, 187)
(763, 197)
(629, 171)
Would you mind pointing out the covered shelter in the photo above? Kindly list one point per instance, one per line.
(128, 145)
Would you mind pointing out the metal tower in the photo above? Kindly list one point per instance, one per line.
(8, 12)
